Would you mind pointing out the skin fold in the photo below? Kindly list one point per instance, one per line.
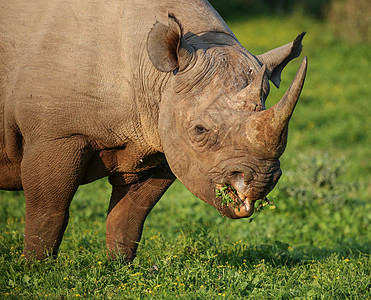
(141, 92)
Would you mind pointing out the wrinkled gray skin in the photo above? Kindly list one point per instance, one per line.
(139, 91)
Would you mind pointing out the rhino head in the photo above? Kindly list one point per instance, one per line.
(214, 127)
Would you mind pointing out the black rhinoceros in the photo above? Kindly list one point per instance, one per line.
(142, 92)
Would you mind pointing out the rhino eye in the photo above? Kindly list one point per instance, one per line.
(202, 137)
(200, 129)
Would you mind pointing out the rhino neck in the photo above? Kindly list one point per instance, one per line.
(148, 91)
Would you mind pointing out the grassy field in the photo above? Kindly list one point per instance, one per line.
(316, 244)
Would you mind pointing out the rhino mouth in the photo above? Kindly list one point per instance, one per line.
(229, 197)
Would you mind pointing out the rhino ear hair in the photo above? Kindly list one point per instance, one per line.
(278, 58)
(167, 48)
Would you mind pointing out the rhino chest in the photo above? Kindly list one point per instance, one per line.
(127, 159)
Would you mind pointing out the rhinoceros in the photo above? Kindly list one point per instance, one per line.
(141, 92)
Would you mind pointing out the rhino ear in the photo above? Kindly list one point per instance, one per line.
(277, 59)
(166, 46)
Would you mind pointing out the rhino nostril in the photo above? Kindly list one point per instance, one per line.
(241, 178)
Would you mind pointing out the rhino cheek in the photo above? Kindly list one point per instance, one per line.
(185, 168)
(182, 161)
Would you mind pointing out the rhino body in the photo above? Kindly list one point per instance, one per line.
(142, 92)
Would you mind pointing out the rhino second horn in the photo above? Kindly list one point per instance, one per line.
(250, 96)
(254, 89)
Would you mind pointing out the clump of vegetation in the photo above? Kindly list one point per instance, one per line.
(227, 195)
(262, 204)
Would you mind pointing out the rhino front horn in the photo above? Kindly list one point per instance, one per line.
(284, 109)
(280, 113)
(266, 130)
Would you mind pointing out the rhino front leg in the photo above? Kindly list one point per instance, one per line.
(130, 204)
(51, 174)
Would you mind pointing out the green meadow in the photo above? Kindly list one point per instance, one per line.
(315, 244)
